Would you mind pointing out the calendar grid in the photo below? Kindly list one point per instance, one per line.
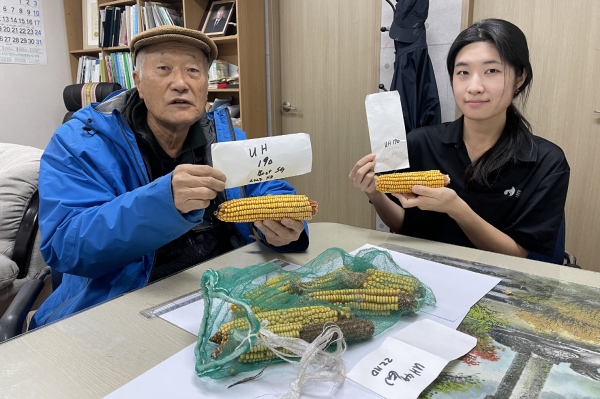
(22, 39)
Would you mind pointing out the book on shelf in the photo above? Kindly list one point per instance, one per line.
(88, 70)
(158, 14)
(117, 25)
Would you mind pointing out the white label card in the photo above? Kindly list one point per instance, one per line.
(407, 362)
(259, 160)
(386, 131)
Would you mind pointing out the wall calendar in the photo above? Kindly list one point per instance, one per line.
(22, 38)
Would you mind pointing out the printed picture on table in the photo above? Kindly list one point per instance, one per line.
(218, 17)
(537, 338)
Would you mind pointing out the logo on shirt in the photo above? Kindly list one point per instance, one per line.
(513, 192)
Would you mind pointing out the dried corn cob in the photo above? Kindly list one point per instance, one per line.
(352, 330)
(371, 299)
(305, 315)
(268, 207)
(382, 279)
(403, 182)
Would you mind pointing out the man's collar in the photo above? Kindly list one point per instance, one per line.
(136, 114)
(453, 134)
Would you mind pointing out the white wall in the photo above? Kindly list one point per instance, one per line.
(31, 105)
(442, 26)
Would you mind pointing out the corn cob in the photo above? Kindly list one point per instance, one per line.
(382, 279)
(370, 299)
(268, 207)
(352, 330)
(403, 182)
(305, 315)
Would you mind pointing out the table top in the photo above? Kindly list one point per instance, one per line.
(93, 353)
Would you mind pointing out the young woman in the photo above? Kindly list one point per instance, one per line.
(508, 187)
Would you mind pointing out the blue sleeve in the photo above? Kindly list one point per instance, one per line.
(91, 223)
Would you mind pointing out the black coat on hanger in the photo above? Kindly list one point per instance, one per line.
(413, 77)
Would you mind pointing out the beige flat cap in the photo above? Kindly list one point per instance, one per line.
(168, 33)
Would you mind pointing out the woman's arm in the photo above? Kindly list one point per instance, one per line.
(482, 234)
(362, 176)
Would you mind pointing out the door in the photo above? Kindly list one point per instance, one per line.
(329, 62)
(564, 44)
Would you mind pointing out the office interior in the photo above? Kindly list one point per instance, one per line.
(31, 108)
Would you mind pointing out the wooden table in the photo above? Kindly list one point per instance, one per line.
(97, 351)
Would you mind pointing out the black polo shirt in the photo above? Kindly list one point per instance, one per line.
(526, 199)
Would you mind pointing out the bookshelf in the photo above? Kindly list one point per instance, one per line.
(246, 49)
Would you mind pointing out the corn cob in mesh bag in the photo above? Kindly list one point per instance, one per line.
(363, 295)
(403, 182)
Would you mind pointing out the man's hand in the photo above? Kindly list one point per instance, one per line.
(442, 199)
(281, 233)
(194, 186)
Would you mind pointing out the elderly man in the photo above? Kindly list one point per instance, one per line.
(127, 193)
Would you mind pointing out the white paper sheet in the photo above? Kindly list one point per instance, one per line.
(258, 160)
(386, 131)
(408, 361)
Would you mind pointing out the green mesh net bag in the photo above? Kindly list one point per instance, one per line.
(362, 295)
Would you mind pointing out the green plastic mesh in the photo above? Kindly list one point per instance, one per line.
(237, 296)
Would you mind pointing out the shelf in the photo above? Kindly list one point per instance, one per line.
(225, 39)
(117, 3)
(223, 90)
(86, 51)
(116, 48)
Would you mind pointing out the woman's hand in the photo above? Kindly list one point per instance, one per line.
(362, 174)
(444, 200)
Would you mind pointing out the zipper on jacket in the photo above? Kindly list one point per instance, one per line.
(137, 163)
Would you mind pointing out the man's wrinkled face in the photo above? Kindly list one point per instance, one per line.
(173, 82)
(221, 12)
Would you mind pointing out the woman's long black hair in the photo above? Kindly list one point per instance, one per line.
(511, 44)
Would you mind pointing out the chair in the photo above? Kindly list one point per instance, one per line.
(560, 256)
(79, 95)
(20, 258)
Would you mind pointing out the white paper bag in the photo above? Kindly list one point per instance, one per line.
(386, 131)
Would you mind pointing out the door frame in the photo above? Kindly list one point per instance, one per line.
(466, 18)
(273, 68)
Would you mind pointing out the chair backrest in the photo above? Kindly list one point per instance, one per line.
(79, 95)
(20, 259)
(558, 256)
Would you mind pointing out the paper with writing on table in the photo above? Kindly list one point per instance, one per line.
(408, 361)
(263, 159)
(386, 131)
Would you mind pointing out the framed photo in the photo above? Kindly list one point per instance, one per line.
(90, 23)
(217, 18)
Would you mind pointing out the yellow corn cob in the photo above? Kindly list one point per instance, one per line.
(403, 182)
(268, 207)
(381, 279)
(371, 299)
(353, 330)
(305, 315)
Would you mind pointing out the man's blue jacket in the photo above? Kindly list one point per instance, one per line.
(100, 217)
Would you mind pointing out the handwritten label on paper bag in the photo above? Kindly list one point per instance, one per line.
(259, 160)
(386, 131)
(407, 362)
